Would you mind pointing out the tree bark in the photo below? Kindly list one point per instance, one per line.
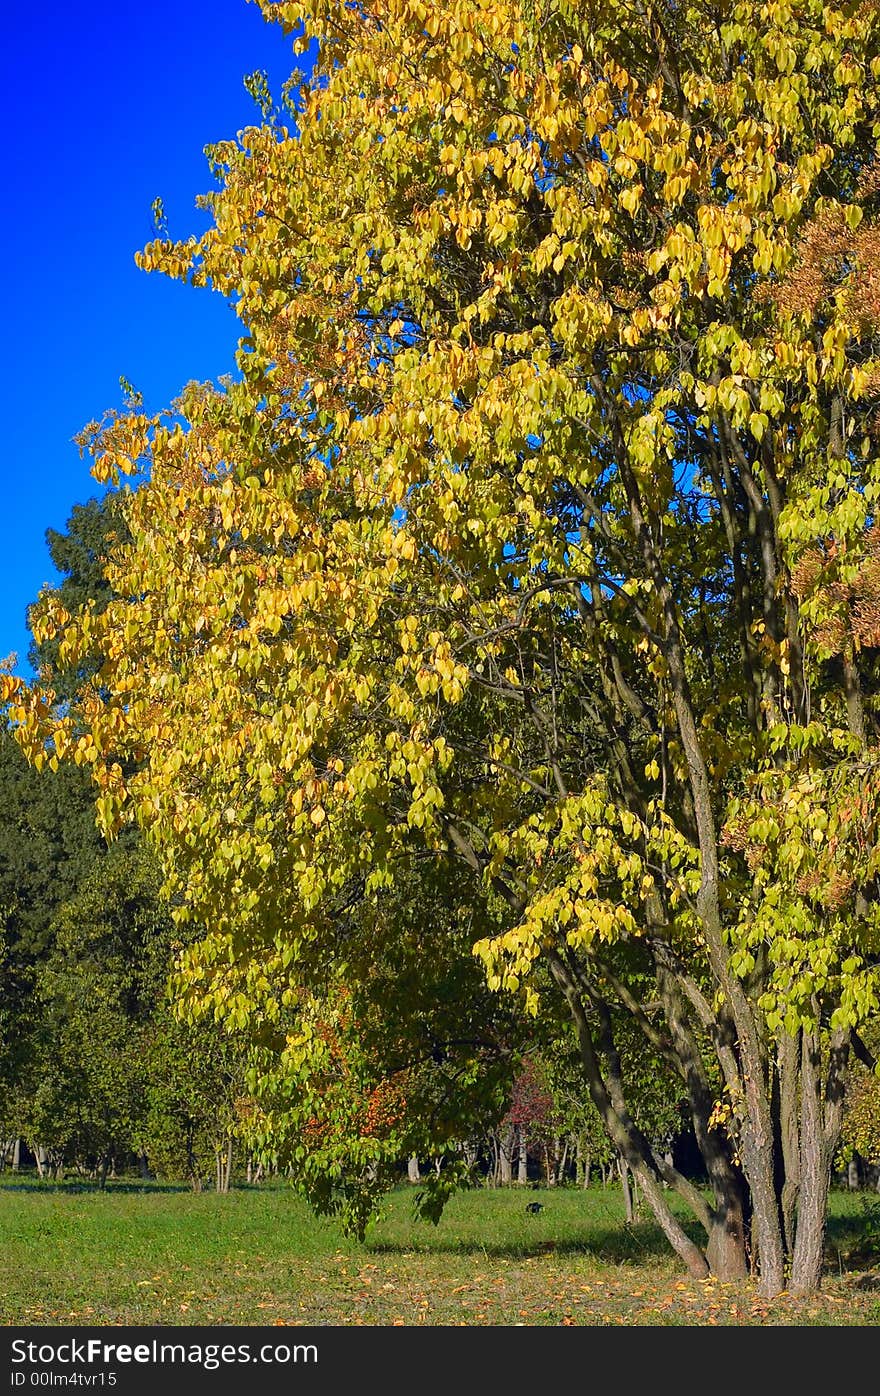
(628, 1140)
(820, 1130)
(227, 1171)
(788, 1064)
(522, 1162)
(726, 1246)
(505, 1155)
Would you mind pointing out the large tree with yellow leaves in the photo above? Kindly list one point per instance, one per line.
(536, 539)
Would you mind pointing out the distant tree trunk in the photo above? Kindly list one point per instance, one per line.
(551, 1158)
(412, 1169)
(563, 1160)
(583, 1162)
(505, 1155)
(492, 1172)
(522, 1162)
(227, 1171)
(144, 1165)
(853, 1180)
(223, 1162)
(16, 1156)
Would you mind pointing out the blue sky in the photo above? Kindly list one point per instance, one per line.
(103, 107)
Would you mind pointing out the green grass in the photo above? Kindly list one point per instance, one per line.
(135, 1255)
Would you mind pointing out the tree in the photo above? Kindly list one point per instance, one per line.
(110, 1071)
(80, 555)
(391, 1047)
(48, 839)
(98, 993)
(537, 538)
(194, 1094)
(48, 844)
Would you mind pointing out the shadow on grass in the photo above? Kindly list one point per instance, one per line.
(853, 1242)
(619, 1245)
(847, 1250)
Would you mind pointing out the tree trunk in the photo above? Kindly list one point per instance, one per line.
(788, 1069)
(726, 1247)
(227, 1171)
(725, 1225)
(505, 1155)
(583, 1163)
(16, 1156)
(820, 1130)
(522, 1162)
(412, 1169)
(563, 1161)
(627, 1138)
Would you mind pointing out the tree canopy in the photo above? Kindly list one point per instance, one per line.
(535, 543)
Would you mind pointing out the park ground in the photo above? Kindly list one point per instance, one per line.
(135, 1255)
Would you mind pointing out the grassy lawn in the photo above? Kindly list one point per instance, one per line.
(135, 1255)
